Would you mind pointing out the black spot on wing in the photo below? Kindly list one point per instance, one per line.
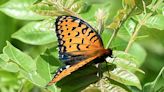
(82, 41)
(78, 33)
(90, 32)
(84, 30)
(73, 19)
(62, 48)
(73, 28)
(80, 23)
(70, 40)
(87, 46)
(70, 46)
(92, 37)
(78, 46)
(95, 40)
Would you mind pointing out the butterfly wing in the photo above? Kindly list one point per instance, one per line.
(79, 44)
(66, 70)
(76, 38)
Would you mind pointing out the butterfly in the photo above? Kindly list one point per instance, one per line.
(78, 44)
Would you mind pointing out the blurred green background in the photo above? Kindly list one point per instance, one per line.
(152, 42)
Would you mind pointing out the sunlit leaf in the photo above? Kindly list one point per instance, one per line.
(36, 33)
(106, 86)
(160, 9)
(156, 21)
(44, 69)
(138, 52)
(125, 77)
(19, 9)
(46, 10)
(33, 77)
(130, 58)
(61, 7)
(21, 59)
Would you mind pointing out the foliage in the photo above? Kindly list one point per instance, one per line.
(132, 28)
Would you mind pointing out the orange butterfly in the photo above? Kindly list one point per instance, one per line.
(79, 44)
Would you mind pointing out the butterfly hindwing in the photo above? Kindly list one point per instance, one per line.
(75, 38)
(79, 44)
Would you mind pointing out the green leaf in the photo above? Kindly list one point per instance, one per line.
(79, 6)
(9, 66)
(156, 21)
(117, 44)
(125, 65)
(143, 3)
(160, 9)
(125, 77)
(46, 10)
(62, 7)
(157, 85)
(36, 33)
(9, 81)
(106, 86)
(44, 66)
(128, 57)
(4, 57)
(116, 88)
(128, 64)
(138, 52)
(113, 88)
(129, 27)
(27, 66)
(19, 9)
(33, 77)
(24, 61)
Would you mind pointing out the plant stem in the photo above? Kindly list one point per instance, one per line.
(111, 39)
(141, 22)
(157, 78)
(133, 37)
(121, 23)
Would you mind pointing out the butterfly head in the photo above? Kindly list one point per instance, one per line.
(108, 52)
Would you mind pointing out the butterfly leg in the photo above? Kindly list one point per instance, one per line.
(110, 65)
(100, 74)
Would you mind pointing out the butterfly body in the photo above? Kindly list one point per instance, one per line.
(79, 44)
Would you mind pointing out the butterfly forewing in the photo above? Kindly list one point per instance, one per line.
(75, 37)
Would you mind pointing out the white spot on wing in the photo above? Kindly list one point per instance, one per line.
(59, 22)
(62, 56)
(67, 66)
(78, 21)
(61, 69)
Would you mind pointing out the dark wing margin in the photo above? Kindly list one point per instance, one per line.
(63, 55)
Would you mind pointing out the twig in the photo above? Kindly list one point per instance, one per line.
(139, 25)
(117, 29)
(111, 39)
